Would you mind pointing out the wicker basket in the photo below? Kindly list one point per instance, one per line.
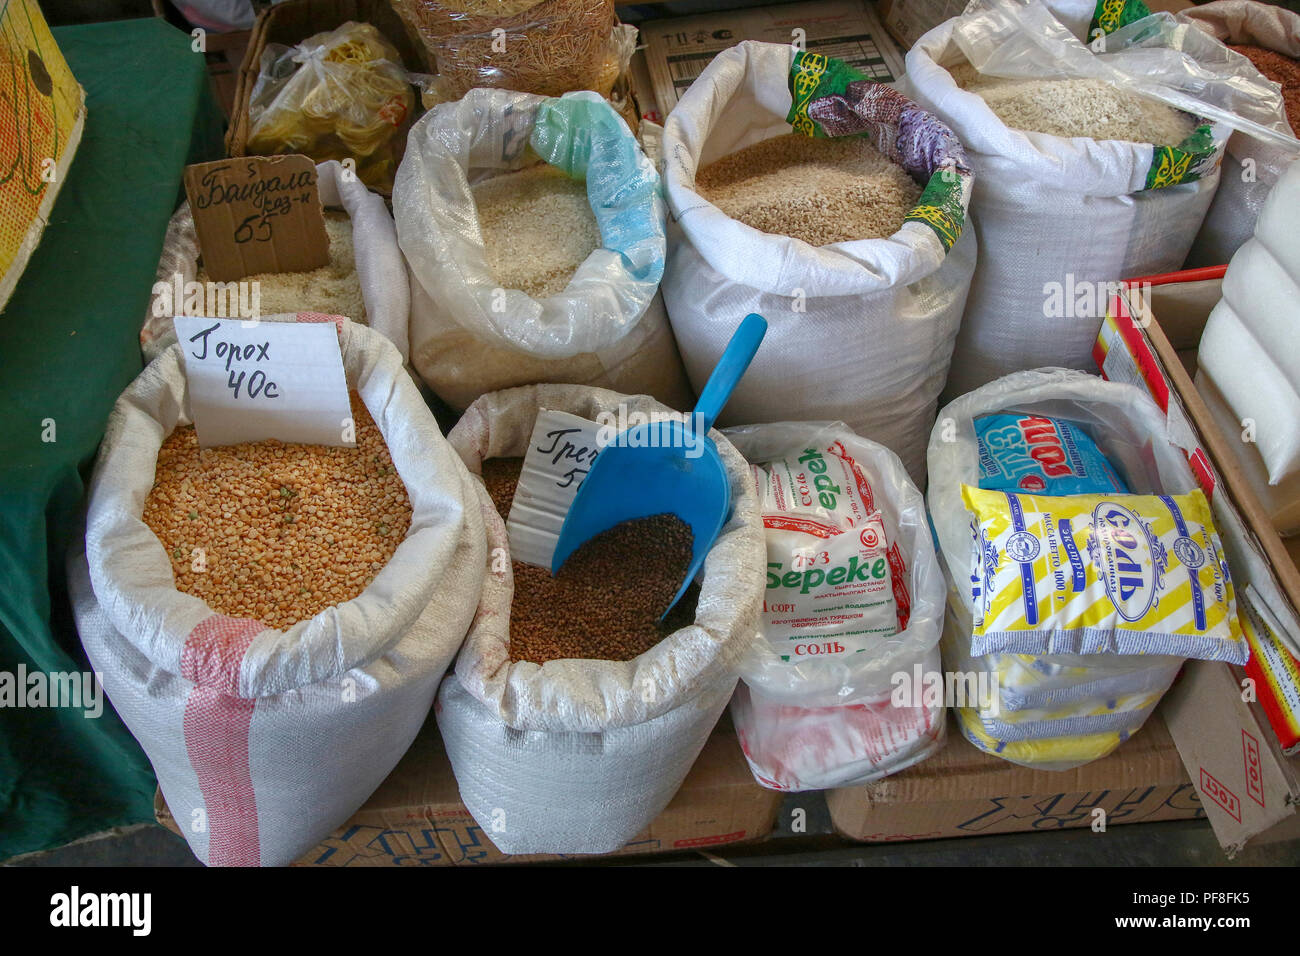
(291, 23)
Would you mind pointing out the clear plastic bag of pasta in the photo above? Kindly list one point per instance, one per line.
(342, 94)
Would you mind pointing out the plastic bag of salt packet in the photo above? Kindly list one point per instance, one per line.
(1098, 574)
(830, 588)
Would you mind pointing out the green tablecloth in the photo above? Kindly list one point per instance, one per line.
(68, 346)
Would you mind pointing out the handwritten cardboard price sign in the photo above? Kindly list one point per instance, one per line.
(250, 381)
(257, 214)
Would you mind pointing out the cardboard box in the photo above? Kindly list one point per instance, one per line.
(416, 817)
(962, 791)
(677, 50)
(1247, 782)
(42, 113)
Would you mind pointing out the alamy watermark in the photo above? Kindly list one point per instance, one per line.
(76, 690)
(922, 688)
(634, 429)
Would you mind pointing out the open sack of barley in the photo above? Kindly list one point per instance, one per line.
(271, 620)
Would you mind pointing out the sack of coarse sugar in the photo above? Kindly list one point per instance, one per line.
(1072, 195)
(266, 740)
(366, 269)
(851, 617)
(578, 755)
(534, 231)
(860, 330)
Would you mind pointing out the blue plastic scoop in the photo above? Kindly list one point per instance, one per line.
(665, 467)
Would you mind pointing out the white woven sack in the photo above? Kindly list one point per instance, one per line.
(578, 756)
(859, 332)
(381, 270)
(607, 327)
(1248, 350)
(1250, 167)
(1045, 209)
(265, 741)
(817, 723)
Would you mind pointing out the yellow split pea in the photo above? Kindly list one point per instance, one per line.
(277, 532)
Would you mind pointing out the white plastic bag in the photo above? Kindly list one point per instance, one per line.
(578, 756)
(264, 741)
(1248, 350)
(833, 721)
(1132, 432)
(1067, 215)
(1250, 167)
(858, 331)
(1280, 501)
(380, 267)
(469, 335)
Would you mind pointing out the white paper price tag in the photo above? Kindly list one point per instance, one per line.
(250, 381)
(560, 453)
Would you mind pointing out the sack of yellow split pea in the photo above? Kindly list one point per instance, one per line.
(1100, 574)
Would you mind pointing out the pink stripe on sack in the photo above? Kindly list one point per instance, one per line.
(216, 736)
(322, 317)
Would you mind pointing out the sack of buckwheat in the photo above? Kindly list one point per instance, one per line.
(534, 231)
(271, 621)
(571, 719)
(835, 208)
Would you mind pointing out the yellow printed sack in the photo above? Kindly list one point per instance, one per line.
(1056, 753)
(1100, 574)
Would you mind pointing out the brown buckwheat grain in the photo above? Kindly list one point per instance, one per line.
(606, 601)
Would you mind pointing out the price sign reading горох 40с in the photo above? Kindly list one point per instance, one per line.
(250, 381)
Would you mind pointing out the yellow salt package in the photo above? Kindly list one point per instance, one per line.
(1055, 753)
(1100, 574)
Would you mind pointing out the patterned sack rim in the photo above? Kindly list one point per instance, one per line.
(829, 99)
(1170, 165)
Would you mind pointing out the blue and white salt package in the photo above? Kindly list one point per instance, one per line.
(1031, 453)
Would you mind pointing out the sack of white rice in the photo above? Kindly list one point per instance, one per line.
(534, 231)
(364, 280)
(1086, 173)
(834, 207)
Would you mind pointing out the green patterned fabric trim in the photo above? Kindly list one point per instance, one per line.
(812, 76)
(829, 98)
(940, 207)
(1185, 163)
(1110, 15)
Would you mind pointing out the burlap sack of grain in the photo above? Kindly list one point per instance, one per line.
(1066, 215)
(381, 270)
(1250, 167)
(810, 723)
(859, 332)
(470, 336)
(264, 741)
(578, 756)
